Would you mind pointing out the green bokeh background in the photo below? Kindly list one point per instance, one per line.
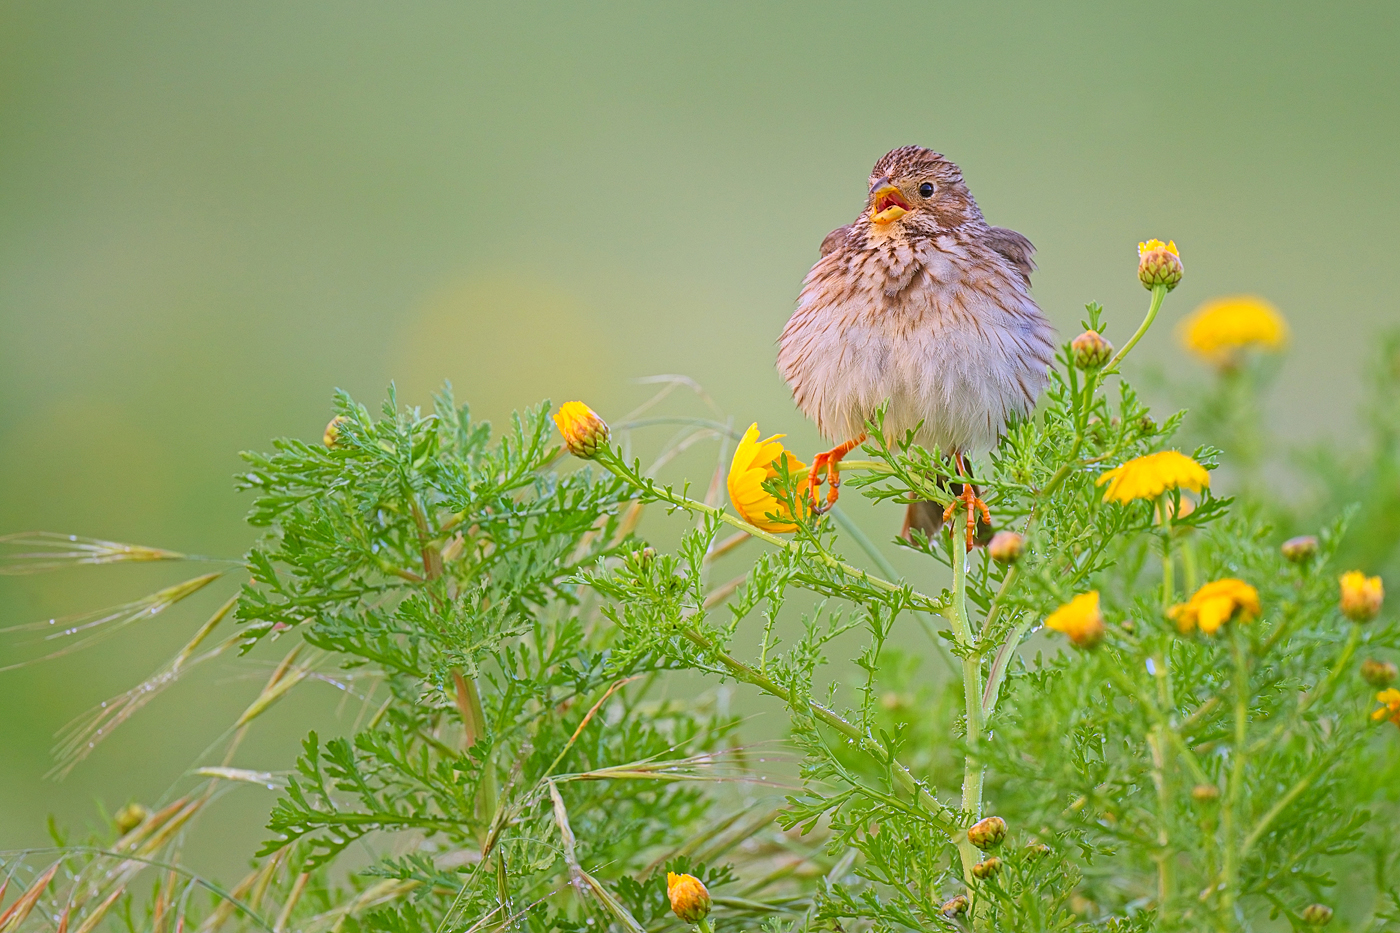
(213, 214)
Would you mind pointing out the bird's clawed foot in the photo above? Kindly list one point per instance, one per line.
(830, 461)
(972, 502)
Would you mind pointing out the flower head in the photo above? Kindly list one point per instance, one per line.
(753, 465)
(1159, 264)
(1006, 547)
(332, 436)
(584, 432)
(1091, 350)
(1317, 915)
(1390, 706)
(1215, 604)
(1150, 476)
(1219, 330)
(129, 817)
(1079, 619)
(690, 900)
(1361, 596)
(954, 907)
(1300, 549)
(987, 833)
(1379, 673)
(986, 868)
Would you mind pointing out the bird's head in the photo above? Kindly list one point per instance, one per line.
(916, 191)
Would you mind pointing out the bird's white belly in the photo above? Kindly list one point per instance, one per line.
(961, 375)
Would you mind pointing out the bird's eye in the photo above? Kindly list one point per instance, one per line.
(926, 190)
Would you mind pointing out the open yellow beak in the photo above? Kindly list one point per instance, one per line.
(887, 204)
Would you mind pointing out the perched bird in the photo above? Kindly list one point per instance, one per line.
(920, 302)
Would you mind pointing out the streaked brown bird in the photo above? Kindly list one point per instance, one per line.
(922, 303)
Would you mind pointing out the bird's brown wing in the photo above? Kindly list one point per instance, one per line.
(835, 238)
(1014, 247)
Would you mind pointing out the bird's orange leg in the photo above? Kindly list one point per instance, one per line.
(969, 499)
(831, 460)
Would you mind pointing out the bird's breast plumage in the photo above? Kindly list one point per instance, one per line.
(944, 329)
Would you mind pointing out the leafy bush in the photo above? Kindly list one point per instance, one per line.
(1179, 758)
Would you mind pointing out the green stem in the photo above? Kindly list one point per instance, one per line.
(611, 461)
(853, 531)
(1236, 787)
(1168, 576)
(1158, 293)
(906, 781)
(972, 701)
(1000, 663)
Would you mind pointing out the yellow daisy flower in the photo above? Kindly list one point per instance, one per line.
(1079, 619)
(1150, 476)
(1390, 706)
(752, 466)
(1215, 604)
(1219, 330)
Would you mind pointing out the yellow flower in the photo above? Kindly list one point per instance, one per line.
(1150, 476)
(752, 466)
(690, 900)
(1159, 264)
(584, 432)
(1390, 706)
(332, 435)
(1215, 604)
(1361, 596)
(1218, 330)
(1079, 619)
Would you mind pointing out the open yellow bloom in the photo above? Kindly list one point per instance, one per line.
(690, 899)
(1218, 330)
(584, 432)
(1150, 476)
(1390, 706)
(1215, 604)
(1361, 596)
(1079, 619)
(752, 466)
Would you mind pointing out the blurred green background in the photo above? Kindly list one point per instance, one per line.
(213, 214)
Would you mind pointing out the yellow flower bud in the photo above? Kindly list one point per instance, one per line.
(1006, 547)
(1205, 793)
(129, 817)
(1378, 673)
(1361, 596)
(1091, 350)
(332, 434)
(1300, 549)
(1159, 264)
(986, 868)
(690, 900)
(954, 907)
(1317, 915)
(584, 432)
(988, 833)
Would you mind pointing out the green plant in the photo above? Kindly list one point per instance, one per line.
(1189, 765)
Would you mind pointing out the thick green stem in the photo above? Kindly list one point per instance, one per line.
(1230, 812)
(972, 701)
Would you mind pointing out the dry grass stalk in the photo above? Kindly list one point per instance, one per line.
(51, 551)
(77, 739)
(12, 918)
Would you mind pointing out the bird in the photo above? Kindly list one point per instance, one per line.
(919, 302)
